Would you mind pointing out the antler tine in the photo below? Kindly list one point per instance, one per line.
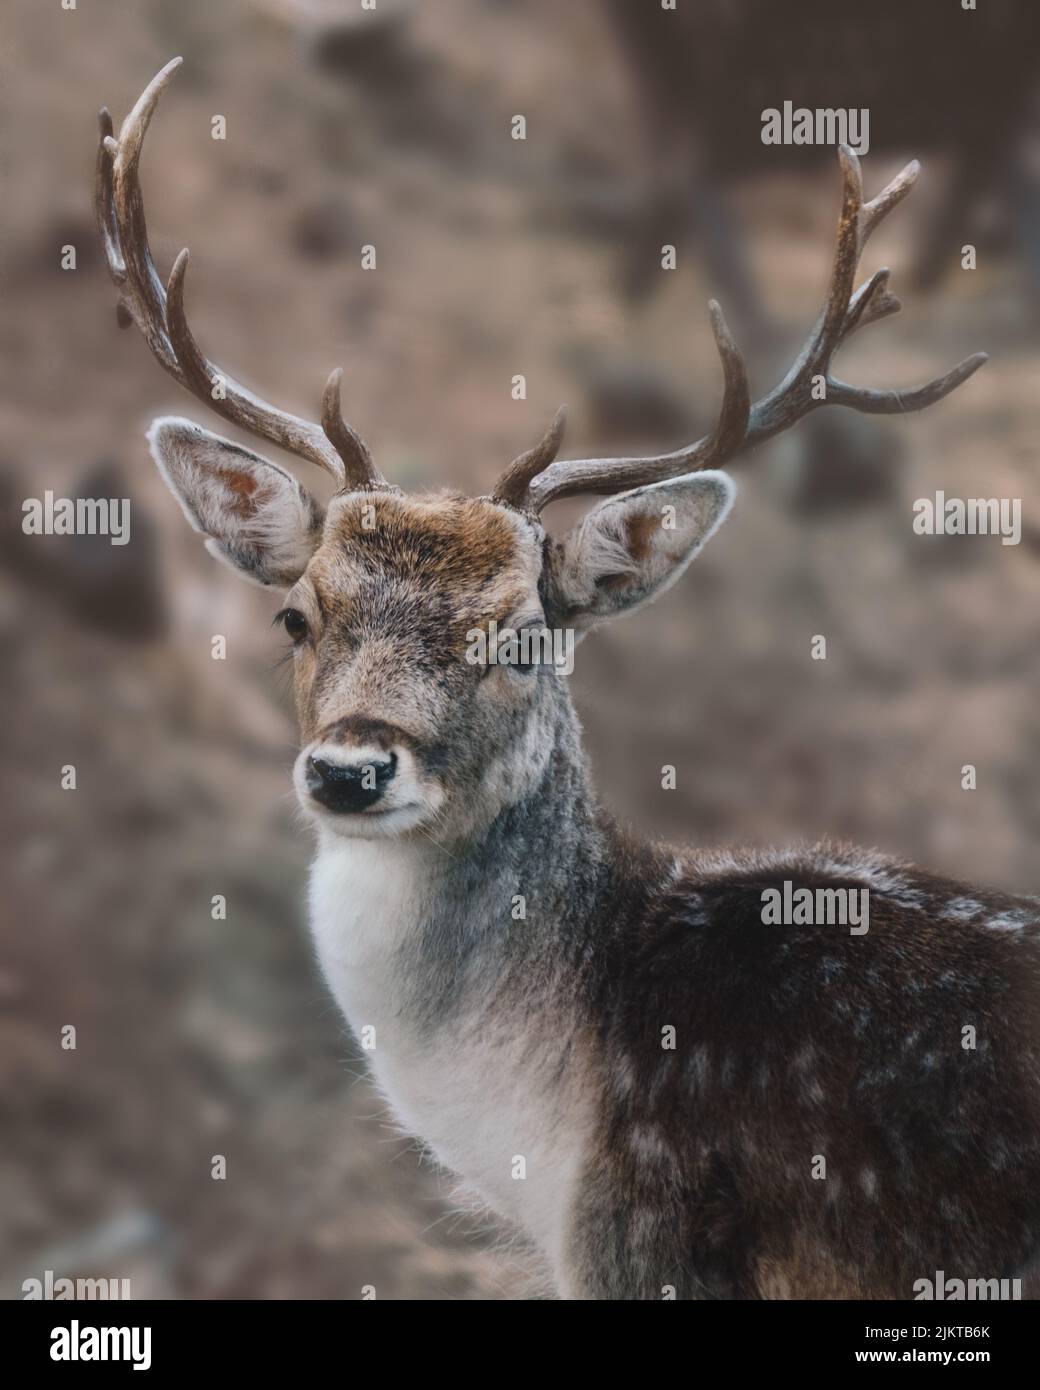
(890, 402)
(892, 193)
(843, 313)
(361, 470)
(121, 222)
(233, 401)
(735, 409)
(513, 485)
(740, 427)
(104, 208)
(159, 312)
(827, 332)
(872, 301)
(569, 477)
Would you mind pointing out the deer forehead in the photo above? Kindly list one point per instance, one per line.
(481, 555)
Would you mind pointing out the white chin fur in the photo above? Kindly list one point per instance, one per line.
(366, 825)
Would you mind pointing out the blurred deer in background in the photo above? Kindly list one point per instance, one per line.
(959, 83)
(963, 85)
(601, 1035)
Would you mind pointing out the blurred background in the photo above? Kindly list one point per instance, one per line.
(496, 257)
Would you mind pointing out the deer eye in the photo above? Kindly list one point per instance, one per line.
(295, 623)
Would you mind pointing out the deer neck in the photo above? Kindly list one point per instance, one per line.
(421, 929)
(463, 974)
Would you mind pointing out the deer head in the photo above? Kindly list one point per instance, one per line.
(399, 730)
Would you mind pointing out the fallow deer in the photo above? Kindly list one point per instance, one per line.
(670, 1095)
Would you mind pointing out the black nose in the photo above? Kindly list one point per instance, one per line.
(349, 786)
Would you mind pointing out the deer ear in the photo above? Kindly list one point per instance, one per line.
(632, 547)
(258, 518)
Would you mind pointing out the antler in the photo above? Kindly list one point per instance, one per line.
(740, 426)
(159, 313)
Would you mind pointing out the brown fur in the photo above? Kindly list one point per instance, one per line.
(687, 1168)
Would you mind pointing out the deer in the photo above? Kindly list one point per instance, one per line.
(702, 129)
(607, 1040)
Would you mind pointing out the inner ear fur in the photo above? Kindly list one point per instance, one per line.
(634, 546)
(258, 518)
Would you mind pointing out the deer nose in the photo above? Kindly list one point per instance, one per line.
(349, 786)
